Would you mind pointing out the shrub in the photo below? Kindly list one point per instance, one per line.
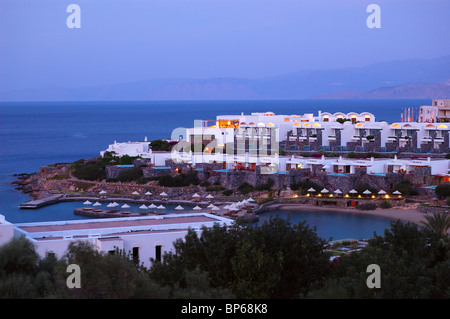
(129, 175)
(266, 186)
(91, 171)
(367, 206)
(404, 187)
(443, 190)
(178, 181)
(246, 188)
(227, 192)
(385, 204)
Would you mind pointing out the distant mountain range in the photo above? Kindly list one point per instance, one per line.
(415, 78)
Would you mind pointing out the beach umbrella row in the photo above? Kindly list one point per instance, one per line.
(353, 191)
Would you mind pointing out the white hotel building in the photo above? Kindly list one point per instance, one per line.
(326, 131)
(144, 237)
(246, 141)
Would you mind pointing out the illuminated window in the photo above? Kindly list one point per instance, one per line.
(228, 123)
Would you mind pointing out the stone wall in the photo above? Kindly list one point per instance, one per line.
(113, 171)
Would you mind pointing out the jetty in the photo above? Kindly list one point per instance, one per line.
(37, 203)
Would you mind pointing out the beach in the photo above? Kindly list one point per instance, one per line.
(407, 215)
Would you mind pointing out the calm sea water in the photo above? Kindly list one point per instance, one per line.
(333, 225)
(36, 134)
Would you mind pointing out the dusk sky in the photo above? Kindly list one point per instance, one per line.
(134, 40)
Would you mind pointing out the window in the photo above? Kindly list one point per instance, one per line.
(158, 250)
(136, 254)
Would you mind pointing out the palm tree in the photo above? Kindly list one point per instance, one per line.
(439, 223)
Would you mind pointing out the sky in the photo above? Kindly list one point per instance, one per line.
(135, 40)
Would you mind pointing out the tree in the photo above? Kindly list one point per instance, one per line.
(91, 171)
(106, 275)
(128, 175)
(438, 223)
(160, 145)
(443, 190)
(411, 262)
(22, 273)
(275, 260)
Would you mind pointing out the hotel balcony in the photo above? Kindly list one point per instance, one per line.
(391, 138)
(332, 138)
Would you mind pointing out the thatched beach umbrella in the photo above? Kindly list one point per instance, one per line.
(179, 207)
(210, 196)
(197, 208)
(97, 204)
(151, 206)
(135, 193)
(195, 195)
(397, 193)
(87, 203)
(148, 193)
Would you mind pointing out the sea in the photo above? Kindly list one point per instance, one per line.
(35, 134)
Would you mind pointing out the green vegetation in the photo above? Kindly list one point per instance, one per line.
(246, 188)
(227, 192)
(303, 186)
(266, 186)
(443, 190)
(276, 260)
(367, 206)
(92, 171)
(414, 264)
(178, 180)
(406, 188)
(385, 204)
(438, 223)
(161, 145)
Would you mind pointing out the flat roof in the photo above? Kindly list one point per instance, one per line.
(109, 223)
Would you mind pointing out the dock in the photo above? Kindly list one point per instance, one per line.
(37, 203)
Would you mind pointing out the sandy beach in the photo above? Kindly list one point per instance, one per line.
(408, 215)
